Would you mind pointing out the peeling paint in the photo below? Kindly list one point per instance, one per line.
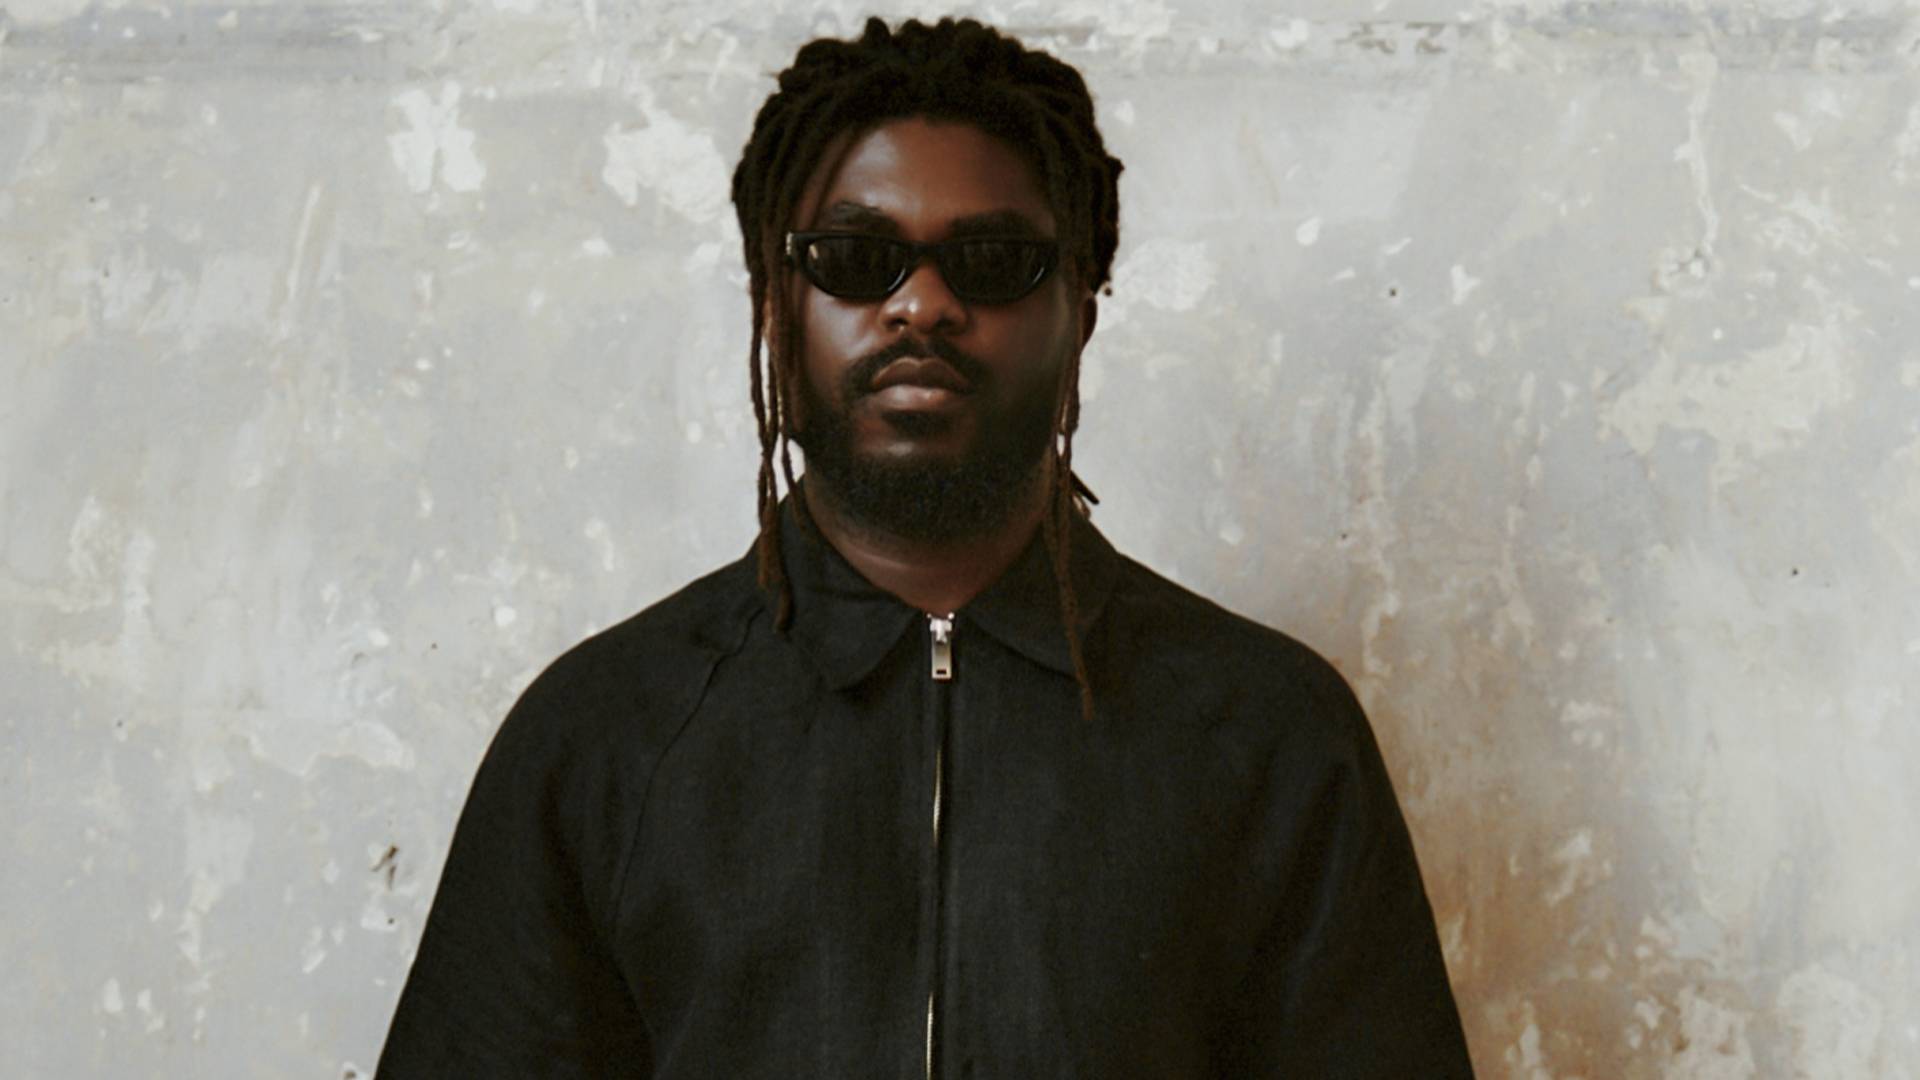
(1748, 410)
(217, 849)
(1906, 160)
(1171, 275)
(679, 166)
(1836, 1025)
(1577, 867)
(1712, 1042)
(1464, 284)
(1128, 26)
(434, 145)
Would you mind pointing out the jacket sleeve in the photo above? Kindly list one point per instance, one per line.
(515, 976)
(1349, 980)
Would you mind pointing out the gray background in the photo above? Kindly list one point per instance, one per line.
(1551, 367)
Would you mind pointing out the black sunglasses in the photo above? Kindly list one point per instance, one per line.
(979, 270)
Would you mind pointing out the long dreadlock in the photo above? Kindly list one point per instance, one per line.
(956, 70)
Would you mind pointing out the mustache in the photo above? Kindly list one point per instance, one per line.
(857, 381)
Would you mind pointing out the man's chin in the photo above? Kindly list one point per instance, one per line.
(907, 424)
(930, 474)
(920, 495)
(916, 443)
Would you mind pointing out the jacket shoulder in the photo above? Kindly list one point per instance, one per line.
(1225, 660)
(642, 676)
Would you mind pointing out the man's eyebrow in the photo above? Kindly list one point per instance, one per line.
(853, 215)
(864, 218)
(996, 223)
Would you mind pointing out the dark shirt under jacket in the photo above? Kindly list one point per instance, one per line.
(699, 847)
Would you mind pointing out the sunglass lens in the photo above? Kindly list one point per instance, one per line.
(857, 267)
(991, 270)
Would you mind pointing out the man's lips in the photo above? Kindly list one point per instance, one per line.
(929, 373)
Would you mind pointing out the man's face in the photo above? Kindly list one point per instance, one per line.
(927, 414)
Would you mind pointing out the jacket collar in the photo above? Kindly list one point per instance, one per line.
(846, 625)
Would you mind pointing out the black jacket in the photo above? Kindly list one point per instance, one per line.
(700, 847)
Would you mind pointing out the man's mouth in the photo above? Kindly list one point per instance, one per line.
(919, 384)
(925, 373)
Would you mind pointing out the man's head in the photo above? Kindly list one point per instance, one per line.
(924, 135)
(927, 410)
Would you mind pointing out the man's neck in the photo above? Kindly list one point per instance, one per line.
(938, 577)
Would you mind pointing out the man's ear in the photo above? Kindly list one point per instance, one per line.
(1089, 315)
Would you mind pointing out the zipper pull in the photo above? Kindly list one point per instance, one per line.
(942, 646)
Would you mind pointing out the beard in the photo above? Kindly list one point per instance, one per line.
(926, 498)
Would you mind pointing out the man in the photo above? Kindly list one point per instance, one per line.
(933, 782)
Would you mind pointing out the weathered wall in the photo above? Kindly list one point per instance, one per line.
(1554, 368)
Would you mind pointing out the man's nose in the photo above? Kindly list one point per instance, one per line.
(924, 304)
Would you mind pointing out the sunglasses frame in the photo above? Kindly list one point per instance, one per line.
(797, 242)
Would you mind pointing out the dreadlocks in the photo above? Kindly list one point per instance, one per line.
(954, 71)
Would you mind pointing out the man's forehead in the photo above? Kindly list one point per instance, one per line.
(872, 177)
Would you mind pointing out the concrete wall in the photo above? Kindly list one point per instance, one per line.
(1552, 367)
